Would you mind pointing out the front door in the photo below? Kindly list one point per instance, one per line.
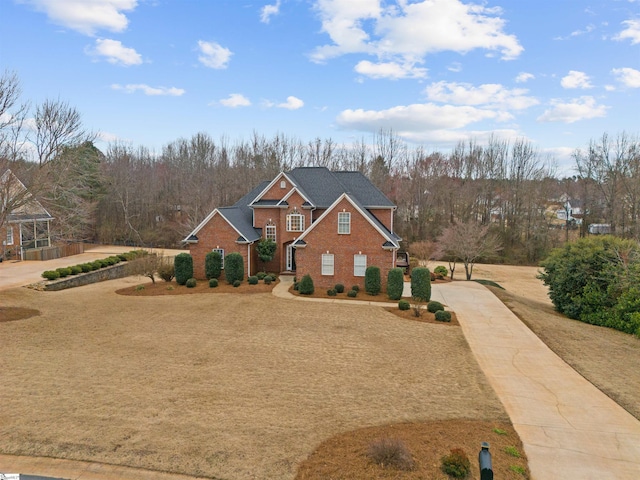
(291, 259)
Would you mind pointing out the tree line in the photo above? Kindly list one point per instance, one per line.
(131, 195)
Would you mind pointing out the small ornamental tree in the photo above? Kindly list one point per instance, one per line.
(266, 249)
(213, 265)
(395, 283)
(421, 284)
(372, 280)
(233, 268)
(183, 268)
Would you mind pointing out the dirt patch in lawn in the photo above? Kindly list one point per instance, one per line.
(148, 289)
(10, 314)
(347, 456)
(225, 386)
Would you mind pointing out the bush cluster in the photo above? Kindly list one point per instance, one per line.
(395, 283)
(372, 280)
(63, 272)
(596, 280)
(456, 464)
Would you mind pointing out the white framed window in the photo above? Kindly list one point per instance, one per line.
(270, 232)
(344, 223)
(327, 264)
(283, 184)
(359, 265)
(295, 222)
(9, 235)
(221, 252)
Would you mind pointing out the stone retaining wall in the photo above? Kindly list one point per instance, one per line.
(118, 270)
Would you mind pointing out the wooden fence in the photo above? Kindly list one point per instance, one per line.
(50, 253)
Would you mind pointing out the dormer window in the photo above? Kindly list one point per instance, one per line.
(295, 221)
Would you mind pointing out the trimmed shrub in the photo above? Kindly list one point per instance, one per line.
(76, 269)
(352, 293)
(332, 292)
(51, 274)
(213, 265)
(372, 280)
(356, 288)
(63, 271)
(456, 464)
(443, 316)
(166, 270)
(252, 280)
(391, 452)
(434, 306)
(305, 287)
(404, 305)
(339, 288)
(421, 284)
(213, 282)
(183, 268)
(395, 283)
(441, 271)
(267, 280)
(261, 275)
(123, 257)
(233, 268)
(86, 267)
(237, 283)
(191, 282)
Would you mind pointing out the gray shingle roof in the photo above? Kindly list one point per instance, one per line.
(243, 223)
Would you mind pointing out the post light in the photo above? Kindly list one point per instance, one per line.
(484, 459)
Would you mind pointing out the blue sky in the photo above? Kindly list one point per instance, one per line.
(555, 72)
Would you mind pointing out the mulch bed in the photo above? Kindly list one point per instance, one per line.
(202, 286)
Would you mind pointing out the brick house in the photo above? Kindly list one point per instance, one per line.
(25, 222)
(331, 225)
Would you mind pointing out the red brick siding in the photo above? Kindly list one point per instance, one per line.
(364, 239)
(217, 233)
(275, 192)
(385, 215)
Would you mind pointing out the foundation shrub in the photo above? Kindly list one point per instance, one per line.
(352, 293)
(76, 269)
(395, 283)
(213, 265)
(404, 305)
(372, 280)
(252, 280)
(233, 268)
(332, 292)
(339, 288)
(443, 316)
(305, 287)
(213, 283)
(63, 271)
(86, 267)
(392, 453)
(434, 306)
(356, 288)
(237, 283)
(421, 284)
(267, 280)
(456, 464)
(191, 283)
(261, 275)
(183, 268)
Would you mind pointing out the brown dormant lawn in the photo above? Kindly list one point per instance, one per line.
(226, 385)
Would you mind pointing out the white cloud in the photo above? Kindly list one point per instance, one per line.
(455, 67)
(269, 11)
(235, 100)
(492, 95)
(147, 90)
(114, 52)
(411, 30)
(107, 137)
(390, 70)
(417, 118)
(213, 55)
(292, 103)
(576, 79)
(632, 32)
(629, 77)
(524, 77)
(87, 16)
(582, 108)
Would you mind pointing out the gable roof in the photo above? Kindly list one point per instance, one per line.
(321, 187)
(29, 208)
(391, 239)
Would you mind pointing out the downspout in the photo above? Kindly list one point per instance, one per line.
(249, 258)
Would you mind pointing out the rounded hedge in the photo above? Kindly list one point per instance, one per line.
(190, 283)
(332, 292)
(441, 271)
(213, 282)
(252, 280)
(443, 316)
(51, 274)
(339, 288)
(352, 293)
(237, 283)
(434, 306)
(305, 287)
(404, 305)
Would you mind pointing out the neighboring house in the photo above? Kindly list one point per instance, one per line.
(25, 222)
(331, 225)
(571, 210)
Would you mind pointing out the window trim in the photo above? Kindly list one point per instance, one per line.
(272, 236)
(221, 252)
(324, 265)
(357, 267)
(296, 215)
(343, 223)
(10, 238)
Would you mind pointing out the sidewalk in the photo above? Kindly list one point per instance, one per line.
(569, 428)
